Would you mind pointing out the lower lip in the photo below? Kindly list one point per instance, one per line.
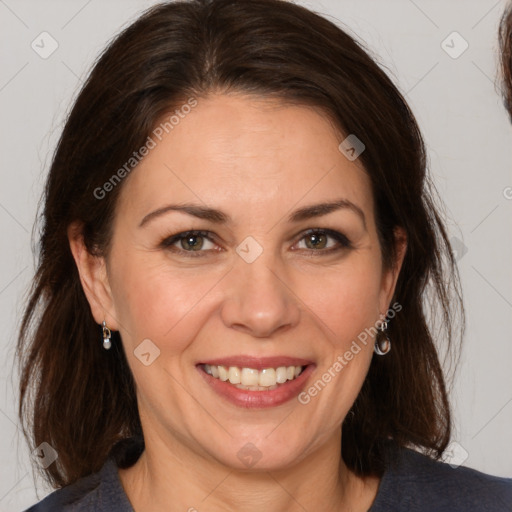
(258, 399)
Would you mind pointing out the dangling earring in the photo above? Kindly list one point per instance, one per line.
(106, 336)
(382, 343)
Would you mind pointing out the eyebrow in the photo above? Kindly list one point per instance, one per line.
(318, 210)
(219, 217)
(201, 212)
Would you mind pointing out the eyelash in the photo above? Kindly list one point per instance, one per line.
(343, 242)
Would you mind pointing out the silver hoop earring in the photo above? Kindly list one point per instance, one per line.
(382, 343)
(106, 336)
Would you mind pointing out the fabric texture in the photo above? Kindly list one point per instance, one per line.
(412, 482)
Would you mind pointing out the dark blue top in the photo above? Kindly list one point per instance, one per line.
(413, 483)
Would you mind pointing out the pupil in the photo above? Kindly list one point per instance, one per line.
(317, 240)
(193, 242)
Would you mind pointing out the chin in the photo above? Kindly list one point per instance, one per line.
(262, 453)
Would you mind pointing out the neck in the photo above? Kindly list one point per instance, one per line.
(171, 476)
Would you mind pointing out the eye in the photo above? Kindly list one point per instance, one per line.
(323, 240)
(199, 243)
(190, 242)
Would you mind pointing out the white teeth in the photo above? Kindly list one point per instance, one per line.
(234, 375)
(255, 388)
(223, 373)
(251, 379)
(281, 375)
(267, 377)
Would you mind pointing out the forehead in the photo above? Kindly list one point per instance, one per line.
(252, 152)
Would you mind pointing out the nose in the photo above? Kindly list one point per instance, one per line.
(258, 300)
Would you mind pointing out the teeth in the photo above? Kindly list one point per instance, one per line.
(255, 388)
(281, 375)
(267, 377)
(234, 375)
(251, 379)
(223, 373)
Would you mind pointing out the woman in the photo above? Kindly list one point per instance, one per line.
(239, 233)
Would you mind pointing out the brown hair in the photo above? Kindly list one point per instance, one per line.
(80, 398)
(505, 42)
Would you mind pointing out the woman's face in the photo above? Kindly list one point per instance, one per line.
(256, 289)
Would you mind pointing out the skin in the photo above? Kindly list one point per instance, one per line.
(258, 161)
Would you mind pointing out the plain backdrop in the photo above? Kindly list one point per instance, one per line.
(453, 93)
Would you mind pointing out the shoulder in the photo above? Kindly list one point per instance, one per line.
(101, 491)
(417, 483)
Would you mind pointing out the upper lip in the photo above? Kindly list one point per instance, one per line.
(257, 363)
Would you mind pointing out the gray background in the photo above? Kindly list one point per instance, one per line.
(457, 106)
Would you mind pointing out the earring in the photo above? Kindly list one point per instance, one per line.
(382, 343)
(106, 336)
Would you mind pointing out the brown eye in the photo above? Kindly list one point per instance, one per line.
(316, 241)
(323, 241)
(199, 242)
(192, 243)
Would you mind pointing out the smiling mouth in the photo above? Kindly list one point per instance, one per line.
(251, 379)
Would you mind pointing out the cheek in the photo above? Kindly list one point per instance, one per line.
(170, 306)
(346, 300)
(160, 303)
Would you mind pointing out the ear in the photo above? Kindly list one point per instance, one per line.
(93, 277)
(390, 276)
